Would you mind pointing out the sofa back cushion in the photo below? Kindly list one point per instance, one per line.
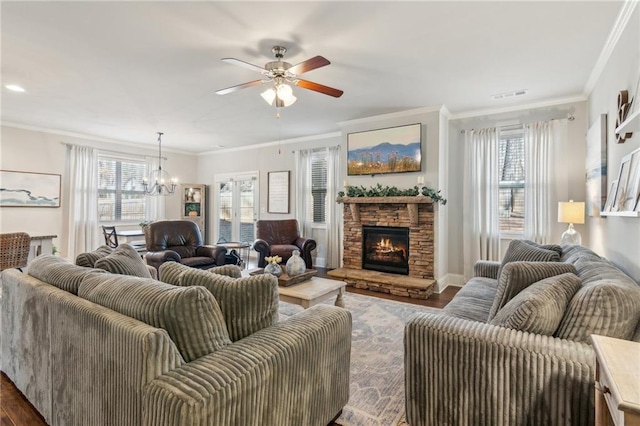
(124, 260)
(521, 251)
(58, 272)
(89, 259)
(172, 271)
(516, 276)
(248, 304)
(539, 308)
(190, 315)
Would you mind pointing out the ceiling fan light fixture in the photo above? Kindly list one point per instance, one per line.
(281, 95)
(269, 95)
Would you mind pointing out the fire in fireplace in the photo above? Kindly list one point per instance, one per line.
(385, 249)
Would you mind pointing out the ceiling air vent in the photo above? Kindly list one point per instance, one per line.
(509, 94)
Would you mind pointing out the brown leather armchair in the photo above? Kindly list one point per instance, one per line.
(180, 241)
(281, 237)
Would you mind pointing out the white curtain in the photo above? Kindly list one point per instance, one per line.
(303, 190)
(334, 210)
(539, 195)
(82, 169)
(481, 231)
(155, 204)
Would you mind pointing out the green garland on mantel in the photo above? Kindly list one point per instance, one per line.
(392, 191)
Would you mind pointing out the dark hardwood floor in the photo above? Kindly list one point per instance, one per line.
(15, 410)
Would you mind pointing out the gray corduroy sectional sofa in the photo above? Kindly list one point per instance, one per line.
(513, 347)
(88, 347)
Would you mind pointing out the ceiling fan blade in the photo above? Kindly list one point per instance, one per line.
(244, 64)
(309, 64)
(336, 93)
(240, 86)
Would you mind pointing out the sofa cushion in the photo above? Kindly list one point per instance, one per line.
(190, 315)
(59, 272)
(473, 301)
(89, 259)
(520, 251)
(248, 304)
(540, 307)
(124, 260)
(516, 276)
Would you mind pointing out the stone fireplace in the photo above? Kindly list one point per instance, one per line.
(413, 215)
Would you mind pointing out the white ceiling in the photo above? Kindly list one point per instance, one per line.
(125, 70)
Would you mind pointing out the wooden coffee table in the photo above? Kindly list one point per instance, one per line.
(312, 292)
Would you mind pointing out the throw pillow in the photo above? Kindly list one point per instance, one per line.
(171, 272)
(553, 247)
(248, 304)
(190, 315)
(89, 259)
(604, 307)
(520, 251)
(58, 272)
(124, 260)
(540, 307)
(516, 276)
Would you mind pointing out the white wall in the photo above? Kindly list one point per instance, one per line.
(43, 152)
(618, 238)
(569, 166)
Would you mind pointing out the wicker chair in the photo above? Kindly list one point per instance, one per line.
(14, 250)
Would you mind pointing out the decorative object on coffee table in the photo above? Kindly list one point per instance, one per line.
(273, 266)
(284, 280)
(295, 265)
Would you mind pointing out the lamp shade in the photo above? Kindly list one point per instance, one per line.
(571, 212)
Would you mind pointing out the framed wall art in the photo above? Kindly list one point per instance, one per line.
(596, 166)
(27, 189)
(391, 150)
(278, 192)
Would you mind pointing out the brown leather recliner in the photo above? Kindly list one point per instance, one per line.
(281, 237)
(180, 241)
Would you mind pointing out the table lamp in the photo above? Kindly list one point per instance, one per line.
(571, 212)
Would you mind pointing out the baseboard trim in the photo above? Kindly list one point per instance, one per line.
(453, 280)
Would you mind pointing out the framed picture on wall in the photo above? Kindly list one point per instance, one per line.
(28, 189)
(278, 192)
(611, 196)
(596, 166)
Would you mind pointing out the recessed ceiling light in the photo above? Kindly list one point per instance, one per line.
(218, 146)
(509, 94)
(14, 88)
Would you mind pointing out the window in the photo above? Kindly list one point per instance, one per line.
(318, 185)
(120, 193)
(511, 196)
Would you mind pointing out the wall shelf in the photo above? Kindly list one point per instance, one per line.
(631, 124)
(621, 214)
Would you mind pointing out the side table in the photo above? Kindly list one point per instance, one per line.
(617, 381)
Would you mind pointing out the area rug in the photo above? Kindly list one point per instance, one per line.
(377, 359)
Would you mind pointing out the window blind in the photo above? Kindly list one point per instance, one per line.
(511, 192)
(318, 185)
(120, 192)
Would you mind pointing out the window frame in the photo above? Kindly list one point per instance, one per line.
(119, 192)
(506, 134)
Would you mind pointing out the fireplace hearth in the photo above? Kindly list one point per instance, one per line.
(385, 249)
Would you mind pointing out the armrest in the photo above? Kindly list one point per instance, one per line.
(486, 269)
(216, 252)
(302, 362)
(307, 245)
(157, 258)
(465, 372)
(263, 249)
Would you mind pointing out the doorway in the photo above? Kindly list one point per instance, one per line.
(236, 215)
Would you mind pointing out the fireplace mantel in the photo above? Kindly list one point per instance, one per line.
(411, 202)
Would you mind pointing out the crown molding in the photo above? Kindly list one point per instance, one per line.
(445, 112)
(275, 143)
(612, 40)
(125, 144)
(492, 111)
(390, 116)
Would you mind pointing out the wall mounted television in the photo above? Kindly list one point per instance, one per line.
(390, 150)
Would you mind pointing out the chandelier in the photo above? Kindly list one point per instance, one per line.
(159, 181)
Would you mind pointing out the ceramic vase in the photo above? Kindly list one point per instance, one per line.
(295, 264)
(273, 269)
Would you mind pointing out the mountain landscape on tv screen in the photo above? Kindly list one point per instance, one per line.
(385, 157)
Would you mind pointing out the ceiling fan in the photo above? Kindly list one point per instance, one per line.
(280, 73)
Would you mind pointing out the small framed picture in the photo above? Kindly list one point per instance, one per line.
(611, 195)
